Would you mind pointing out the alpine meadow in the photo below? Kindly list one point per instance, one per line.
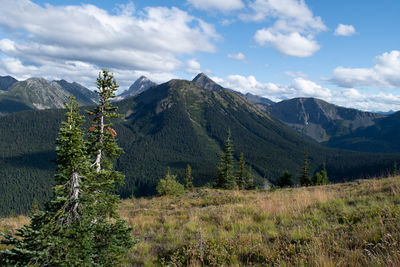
(199, 133)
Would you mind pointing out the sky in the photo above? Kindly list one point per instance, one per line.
(345, 52)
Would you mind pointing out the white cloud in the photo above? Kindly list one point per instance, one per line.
(352, 98)
(385, 73)
(148, 40)
(294, 29)
(221, 5)
(238, 56)
(345, 30)
(301, 87)
(193, 66)
(293, 44)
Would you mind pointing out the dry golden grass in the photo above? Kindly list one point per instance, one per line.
(351, 224)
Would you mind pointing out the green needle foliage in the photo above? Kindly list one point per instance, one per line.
(394, 171)
(188, 181)
(241, 173)
(225, 178)
(321, 177)
(285, 180)
(304, 178)
(79, 225)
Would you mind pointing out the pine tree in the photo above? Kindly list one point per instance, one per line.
(304, 178)
(225, 178)
(112, 235)
(394, 171)
(321, 177)
(188, 180)
(285, 180)
(80, 225)
(249, 184)
(241, 173)
(57, 235)
(324, 175)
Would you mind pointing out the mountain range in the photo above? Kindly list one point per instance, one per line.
(39, 93)
(321, 120)
(139, 86)
(172, 125)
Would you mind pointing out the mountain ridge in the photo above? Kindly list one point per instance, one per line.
(171, 125)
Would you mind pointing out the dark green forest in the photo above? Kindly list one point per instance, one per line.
(172, 125)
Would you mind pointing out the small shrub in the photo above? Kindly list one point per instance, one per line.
(169, 186)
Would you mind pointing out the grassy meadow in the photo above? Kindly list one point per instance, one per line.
(350, 224)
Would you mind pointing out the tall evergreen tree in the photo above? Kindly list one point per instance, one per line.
(304, 178)
(112, 235)
(225, 178)
(241, 173)
(188, 180)
(249, 182)
(59, 235)
(394, 171)
(285, 180)
(80, 225)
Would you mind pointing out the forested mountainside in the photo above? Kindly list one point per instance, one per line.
(173, 124)
(383, 137)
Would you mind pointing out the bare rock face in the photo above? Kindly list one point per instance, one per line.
(139, 86)
(321, 120)
(39, 93)
(205, 82)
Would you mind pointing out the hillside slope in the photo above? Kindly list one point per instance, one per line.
(382, 137)
(352, 224)
(321, 120)
(173, 124)
(39, 93)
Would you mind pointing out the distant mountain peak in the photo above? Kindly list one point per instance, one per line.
(204, 81)
(140, 85)
(6, 82)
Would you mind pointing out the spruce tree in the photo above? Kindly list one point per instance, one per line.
(249, 184)
(112, 235)
(58, 235)
(225, 178)
(394, 171)
(80, 225)
(241, 173)
(188, 180)
(285, 180)
(304, 178)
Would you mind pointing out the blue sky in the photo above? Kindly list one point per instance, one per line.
(345, 52)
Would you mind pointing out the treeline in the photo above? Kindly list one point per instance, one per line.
(172, 125)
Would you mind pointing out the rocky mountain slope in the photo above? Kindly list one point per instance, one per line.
(139, 86)
(321, 120)
(39, 93)
(6, 82)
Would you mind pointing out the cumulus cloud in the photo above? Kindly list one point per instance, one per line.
(345, 30)
(193, 66)
(148, 40)
(385, 73)
(293, 32)
(238, 56)
(292, 44)
(224, 6)
(299, 87)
